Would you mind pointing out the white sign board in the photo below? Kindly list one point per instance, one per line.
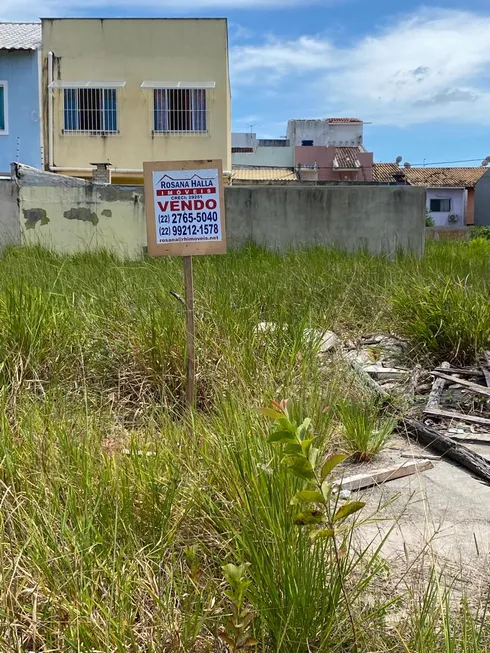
(185, 208)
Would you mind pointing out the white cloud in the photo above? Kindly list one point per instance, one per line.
(32, 9)
(428, 67)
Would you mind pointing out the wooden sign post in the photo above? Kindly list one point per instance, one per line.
(185, 217)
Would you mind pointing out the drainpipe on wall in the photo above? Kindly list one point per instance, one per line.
(41, 111)
(50, 114)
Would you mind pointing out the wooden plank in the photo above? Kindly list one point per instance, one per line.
(463, 372)
(472, 438)
(190, 389)
(437, 389)
(420, 456)
(486, 374)
(452, 414)
(367, 380)
(361, 481)
(486, 368)
(427, 437)
(479, 389)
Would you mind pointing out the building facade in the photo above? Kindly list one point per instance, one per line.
(330, 150)
(248, 150)
(20, 106)
(450, 192)
(125, 91)
(319, 150)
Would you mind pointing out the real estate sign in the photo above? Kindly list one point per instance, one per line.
(185, 208)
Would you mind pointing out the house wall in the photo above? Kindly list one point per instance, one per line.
(135, 50)
(243, 139)
(457, 196)
(324, 157)
(470, 207)
(316, 155)
(482, 201)
(23, 140)
(346, 134)
(316, 130)
(324, 133)
(280, 157)
(69, 215)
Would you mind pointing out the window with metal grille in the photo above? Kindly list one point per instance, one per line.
(440, 205)
(3, 107)
(92, 110)
(179, 110)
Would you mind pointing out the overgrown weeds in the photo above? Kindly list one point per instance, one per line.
(118, 511)
(447, 318)
(365, 430)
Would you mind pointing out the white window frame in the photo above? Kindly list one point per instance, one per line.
(94, 86)
(180, 132)
(4, 85)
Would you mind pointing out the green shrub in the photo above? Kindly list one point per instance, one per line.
(365, 431)
(447, 319)
(480, 232)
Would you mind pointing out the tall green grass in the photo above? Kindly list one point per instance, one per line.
(118, 509)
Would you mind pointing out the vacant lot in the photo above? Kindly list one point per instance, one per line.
(119, 509)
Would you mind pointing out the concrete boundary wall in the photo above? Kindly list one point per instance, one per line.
(9, 213)
(69, 215)
(380, 219)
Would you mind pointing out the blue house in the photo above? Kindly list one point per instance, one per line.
(20, 98)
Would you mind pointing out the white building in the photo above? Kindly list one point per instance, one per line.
(339, 132)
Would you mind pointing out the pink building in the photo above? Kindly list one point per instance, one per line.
(330, 150)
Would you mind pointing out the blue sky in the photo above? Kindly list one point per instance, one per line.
(419, 74)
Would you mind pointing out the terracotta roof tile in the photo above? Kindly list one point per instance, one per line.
(459, 177)
(20, 36)
(346, 158)
(383, 172)
(431, 177)
(264, 174)
(343, 120)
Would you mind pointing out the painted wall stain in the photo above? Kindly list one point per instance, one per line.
(32, 216)
(82, 214)
(107, 213)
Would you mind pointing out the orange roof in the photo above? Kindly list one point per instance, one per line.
(460, 177)
(384, 172)
(346, 158)
(264, 174)
(431, 177)
(343, 120)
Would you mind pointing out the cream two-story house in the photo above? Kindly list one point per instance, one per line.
(125, 91)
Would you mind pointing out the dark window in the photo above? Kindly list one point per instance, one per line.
(91, 110)
(3, 108)
(440, 206)
(307, 143)
(179, 110)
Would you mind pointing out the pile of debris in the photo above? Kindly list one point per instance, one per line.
(457, 411)
(456, 415)
(379, 361)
